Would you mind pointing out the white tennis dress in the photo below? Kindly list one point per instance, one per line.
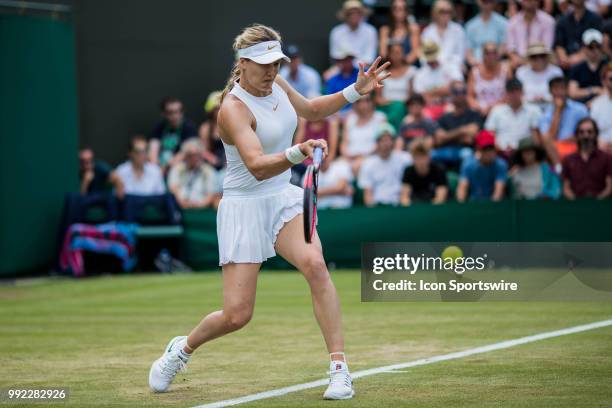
(252, 212)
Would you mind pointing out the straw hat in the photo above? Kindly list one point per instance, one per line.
(537, 49)
(351, 5)
(430, 51)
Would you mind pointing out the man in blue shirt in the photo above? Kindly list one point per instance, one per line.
(559, 121)
(486, 27)
(346, 76)
(301, 77)
(483, 177)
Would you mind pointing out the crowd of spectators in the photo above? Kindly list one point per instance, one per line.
(514, 102)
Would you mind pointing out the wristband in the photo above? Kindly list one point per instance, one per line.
(295, 155)
(351, 94)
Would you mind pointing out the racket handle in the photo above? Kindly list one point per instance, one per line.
(317, 156)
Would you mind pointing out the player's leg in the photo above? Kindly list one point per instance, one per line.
(308, 258)
(239, 286)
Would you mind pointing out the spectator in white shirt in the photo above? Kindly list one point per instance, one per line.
(354, 33)
(433, 81)
(449, 35)
(601, 110)
(381, 174)
(137, 176)
(359, 133)
(536, 75)
(514, 120)
(335, 188)
(303, 78)
(193, 182)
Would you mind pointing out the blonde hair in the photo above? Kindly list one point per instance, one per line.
(251, 35)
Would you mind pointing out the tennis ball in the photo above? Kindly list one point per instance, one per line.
(453, 252)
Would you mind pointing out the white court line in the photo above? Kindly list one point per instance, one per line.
(430, 360)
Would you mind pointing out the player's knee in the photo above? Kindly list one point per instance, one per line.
(238, 318)
(315, 271)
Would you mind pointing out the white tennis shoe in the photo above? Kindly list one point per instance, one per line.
(340, 382)
(165, 368)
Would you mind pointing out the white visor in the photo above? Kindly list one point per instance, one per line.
(264, 52)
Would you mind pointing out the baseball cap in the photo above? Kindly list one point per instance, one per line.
(292, 51)
(344, 51)
(385, 128)
(264, 52)
(592, 35)
(484, 139)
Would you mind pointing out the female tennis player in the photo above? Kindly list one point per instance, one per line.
(260, 214)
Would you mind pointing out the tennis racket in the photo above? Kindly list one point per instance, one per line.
(310, 194)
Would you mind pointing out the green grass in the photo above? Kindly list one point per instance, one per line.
(99, 336)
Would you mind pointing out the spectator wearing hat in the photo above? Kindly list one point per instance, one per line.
(423, 181)
(433, 81)
(483, 176)
(403, 29)
(335, 188)
(513, 120)
(528, 26)
(484, 28)
(596, 6)
(447, 34)
(532, 177)
(585, 77)
(569, 30)
(558, 123)
(536, 75)
(601, 110)
(94, 175)
(360, 129)
(174, 128)
(301, 77)
(381, 174)
(213, 151)
(455, 135)
(193, 182)
(346, 75)
(354, 32)
(587, 172)
(415, 124)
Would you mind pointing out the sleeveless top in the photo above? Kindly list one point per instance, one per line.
(276, 123)
(490, 91)
(310, 133)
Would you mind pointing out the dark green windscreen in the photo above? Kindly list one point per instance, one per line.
(38, 137)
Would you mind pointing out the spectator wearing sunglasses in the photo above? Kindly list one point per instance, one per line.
(455, 136)
(172, 130)
(601, 110)
(137, 175)
(588, 172)
(536, 74)
(585, 78)
(447, 34)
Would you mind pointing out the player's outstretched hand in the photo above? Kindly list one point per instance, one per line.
(372, 78)
(308, 146)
